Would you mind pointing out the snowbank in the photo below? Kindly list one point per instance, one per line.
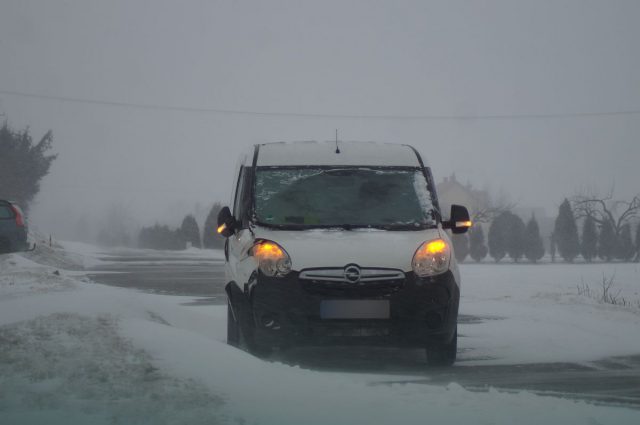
(72, 369)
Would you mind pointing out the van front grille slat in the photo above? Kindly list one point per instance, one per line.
(334, 281)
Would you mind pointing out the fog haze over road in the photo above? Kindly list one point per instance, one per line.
(496, 60)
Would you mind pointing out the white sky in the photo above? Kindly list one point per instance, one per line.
(322, 57)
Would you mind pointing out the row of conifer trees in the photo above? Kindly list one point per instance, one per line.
(163, 237)
(509, 236)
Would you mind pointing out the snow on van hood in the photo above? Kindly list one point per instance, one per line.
(337, 247)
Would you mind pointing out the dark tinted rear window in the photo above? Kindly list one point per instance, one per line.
(5, 212)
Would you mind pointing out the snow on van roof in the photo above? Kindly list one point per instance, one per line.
(324, 153)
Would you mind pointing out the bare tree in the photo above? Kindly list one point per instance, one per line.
(487, 215)
(604, 209)
(487, 212)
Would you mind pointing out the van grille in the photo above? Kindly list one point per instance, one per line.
(352, 280)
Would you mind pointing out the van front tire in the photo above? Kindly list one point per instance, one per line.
(240, 334)
(443, 355)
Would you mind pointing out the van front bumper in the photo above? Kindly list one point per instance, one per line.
(287, 311)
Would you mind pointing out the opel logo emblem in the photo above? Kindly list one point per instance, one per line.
(352, 273)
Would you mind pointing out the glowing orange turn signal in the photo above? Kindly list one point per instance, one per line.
(431, 258)
(266, 250)
(272, 259)
(435, 247)
(221, 228)
(467, 223)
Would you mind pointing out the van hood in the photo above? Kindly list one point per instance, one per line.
(337, 247)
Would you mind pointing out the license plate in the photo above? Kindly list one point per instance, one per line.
(354, 309)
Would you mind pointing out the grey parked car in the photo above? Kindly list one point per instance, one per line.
(13, 228)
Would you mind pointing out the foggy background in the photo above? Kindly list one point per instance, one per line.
(549, 83)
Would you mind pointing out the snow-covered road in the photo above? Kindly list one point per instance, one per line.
(73, 351)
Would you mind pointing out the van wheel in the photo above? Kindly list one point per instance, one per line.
(233, 330)
(443, 355)
(260, 351)
(248, 341)
(5, 246)
(240, 335)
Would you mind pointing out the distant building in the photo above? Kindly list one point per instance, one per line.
(451, 191)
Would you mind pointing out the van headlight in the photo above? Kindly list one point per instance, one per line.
(272, 259)
(431, 258)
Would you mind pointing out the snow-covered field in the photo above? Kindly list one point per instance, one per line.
(75, 352)
(540, 316)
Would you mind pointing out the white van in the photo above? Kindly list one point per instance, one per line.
(340, 243)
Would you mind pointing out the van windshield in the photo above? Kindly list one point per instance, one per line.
(387, 198)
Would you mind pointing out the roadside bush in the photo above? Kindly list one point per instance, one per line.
(460, 246)
(533, 247)
(506, 236)
(161, 237)
(589, 246)
(637, 258)
(625, 249)
(515, 237)
(477, 249)
(190, 231)
(606, 293)
(498, 237)
(608, 242)
(566, 233)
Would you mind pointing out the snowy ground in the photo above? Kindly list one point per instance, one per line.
(540, 316)
(72, 351)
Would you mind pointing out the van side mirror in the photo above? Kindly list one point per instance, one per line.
(226, 222)
(459, 221)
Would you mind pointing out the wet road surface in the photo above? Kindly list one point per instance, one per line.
(614, 381)
(184, 275)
